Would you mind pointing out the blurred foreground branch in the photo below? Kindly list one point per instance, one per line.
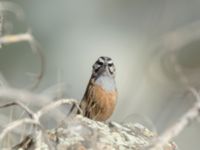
(74, 132)
(180, 125)
(9, 39)
(82, 133)
(35, 47)
(34, 120)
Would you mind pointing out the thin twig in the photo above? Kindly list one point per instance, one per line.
(53, 105)
(23, 95)
(191, 115)
(35, 47)
(9, 138)
(34, 117)
(29, 111)
(17, 123)
(9, 39)
(1, 25)
(26, 97)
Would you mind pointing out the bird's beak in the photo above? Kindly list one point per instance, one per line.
(104, 69)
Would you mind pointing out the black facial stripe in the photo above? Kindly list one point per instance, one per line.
(99, 63)
(102, 59)
(111, 71)
(102, 65)
(96, 69)
(110, 65)
(109, 59)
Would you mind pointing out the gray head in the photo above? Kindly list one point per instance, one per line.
(104, 66)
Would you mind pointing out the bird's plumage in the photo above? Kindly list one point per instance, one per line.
(99, 100)
(98, 103)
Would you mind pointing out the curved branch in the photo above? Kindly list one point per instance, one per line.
(191, 115)
(36, 49)
(17, 123)
(29, 111)
(56, 104)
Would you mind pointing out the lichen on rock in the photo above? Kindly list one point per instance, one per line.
(80, 133)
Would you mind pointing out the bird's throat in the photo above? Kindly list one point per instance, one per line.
(106, 82)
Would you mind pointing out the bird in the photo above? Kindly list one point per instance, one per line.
(100, 97)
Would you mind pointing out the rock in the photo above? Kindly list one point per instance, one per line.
(80, 133)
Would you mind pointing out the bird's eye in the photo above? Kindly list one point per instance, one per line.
(110, 65)
(100, 63)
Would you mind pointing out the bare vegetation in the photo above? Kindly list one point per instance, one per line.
(10, 97)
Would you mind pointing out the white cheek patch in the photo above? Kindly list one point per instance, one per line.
(110, 62)
(101, 60)
(112, 69)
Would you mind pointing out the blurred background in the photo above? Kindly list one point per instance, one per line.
(154, 44)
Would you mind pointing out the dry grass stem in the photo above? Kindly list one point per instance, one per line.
(17, 123)
(173, 131)
(36, 49)
(23, 106)
(53, 105)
